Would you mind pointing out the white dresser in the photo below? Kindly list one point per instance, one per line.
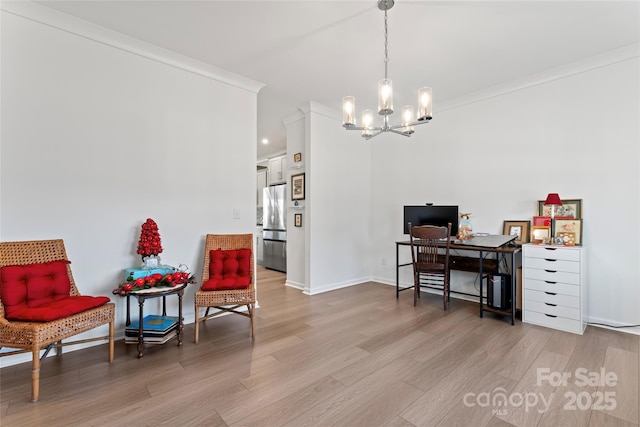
(554, 286)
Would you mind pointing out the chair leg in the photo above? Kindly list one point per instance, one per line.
(111, 330)
(251, 308)
(445, 292)
(416, 279)
(59, 348)
(35, 374)
(197, 323)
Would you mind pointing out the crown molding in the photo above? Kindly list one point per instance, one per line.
(622, 54)
(64, 22)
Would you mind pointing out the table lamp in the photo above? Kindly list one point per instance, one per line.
(553, 200)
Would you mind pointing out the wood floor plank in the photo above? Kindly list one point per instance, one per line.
(530, 398)
(352, 398)
(290, 405)
(624, 364)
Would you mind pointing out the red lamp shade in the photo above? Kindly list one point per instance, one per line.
(553, 200)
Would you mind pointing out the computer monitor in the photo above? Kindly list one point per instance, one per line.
(431, 215)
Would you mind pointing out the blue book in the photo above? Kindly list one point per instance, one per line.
(153, 325)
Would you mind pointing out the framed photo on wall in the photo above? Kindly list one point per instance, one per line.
(297, 220)
(519, 229)
(297, 187)
(571, 208)
(297, 157)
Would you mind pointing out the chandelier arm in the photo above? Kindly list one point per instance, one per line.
(373, 134)
(352, 127)
(399, 133)
(409, 124)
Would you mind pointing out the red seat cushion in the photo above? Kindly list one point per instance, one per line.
(40, 292)
(228, 269)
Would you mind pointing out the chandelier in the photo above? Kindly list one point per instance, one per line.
(385, 101)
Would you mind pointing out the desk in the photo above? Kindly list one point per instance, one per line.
(510, 250)
(144, 294)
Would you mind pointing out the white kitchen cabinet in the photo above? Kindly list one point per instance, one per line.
(554, 286)
(258, 247)
(260, 184)
(278, 170)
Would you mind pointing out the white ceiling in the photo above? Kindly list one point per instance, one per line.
(323, 50)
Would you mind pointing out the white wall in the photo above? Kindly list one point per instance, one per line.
(575, 133)
(97, 137)
(338, 200)
(296, 236)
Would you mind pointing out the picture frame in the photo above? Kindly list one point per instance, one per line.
(517, 228)
(297, 157)
(571, 208)
(297, 220)
(542, 220)
(540, 234)
(297, 187)
(569, 229)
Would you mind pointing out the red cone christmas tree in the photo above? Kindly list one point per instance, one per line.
(149, 243)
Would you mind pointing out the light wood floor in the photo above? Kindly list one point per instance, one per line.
(352, 357)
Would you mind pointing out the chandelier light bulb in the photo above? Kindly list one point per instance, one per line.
(424, 104)
(367, 123)
(348, 111)
(385, 97)
(408, 117)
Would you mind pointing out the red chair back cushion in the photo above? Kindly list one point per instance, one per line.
(41, 292)
(228, 269)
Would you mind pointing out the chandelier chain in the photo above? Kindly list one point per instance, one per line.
(386, 44)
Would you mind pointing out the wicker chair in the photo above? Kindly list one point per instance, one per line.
(35, 336)
(225, 301)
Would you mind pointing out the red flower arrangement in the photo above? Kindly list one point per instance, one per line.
(149, 243)
(157, 280)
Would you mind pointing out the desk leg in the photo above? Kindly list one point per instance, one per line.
(397, 272)
(140, 333)
(180, 321)
(513, 288)
(481, 273)
(128, 322)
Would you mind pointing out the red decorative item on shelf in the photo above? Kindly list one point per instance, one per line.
(168, 280)
(149, 243)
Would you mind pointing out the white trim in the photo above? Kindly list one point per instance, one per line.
(333, 286)
(61, 21)
(609, 58)
(295, 285)
(631, 330)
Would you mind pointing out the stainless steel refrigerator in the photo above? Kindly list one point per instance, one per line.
(274, 231)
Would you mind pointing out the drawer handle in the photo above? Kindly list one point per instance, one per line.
(552, 305)
(551, 271)
(550, 260)
(553, 283)
(551, 249)
(550, 293)
(550, 315)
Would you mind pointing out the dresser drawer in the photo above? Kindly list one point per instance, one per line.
(552, 298)
(561, 323)
(552, 264)
(552, 253)
(556, 288)
(551, 276)
(552, 310)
